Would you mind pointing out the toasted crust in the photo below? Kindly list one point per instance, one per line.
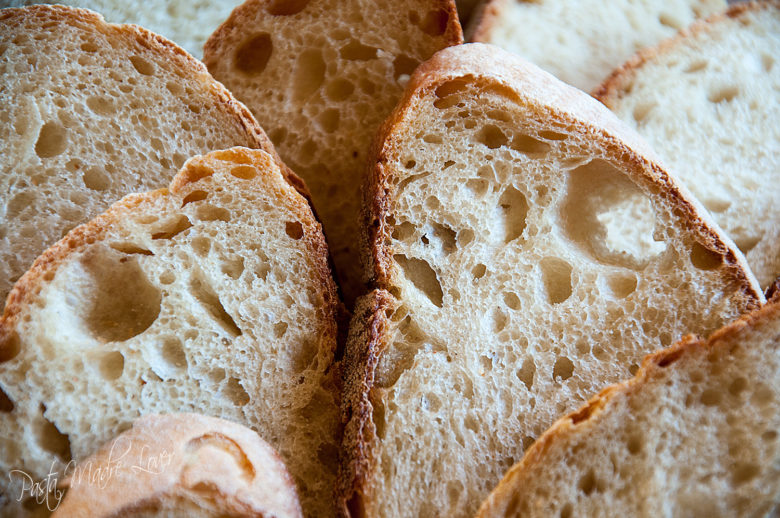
(529, 85)
(180, 459)
(569, 425)
(613, 86)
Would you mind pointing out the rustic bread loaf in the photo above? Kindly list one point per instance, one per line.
(528, 251)
(708, 101)
(582, 41)
(90, 112)
(177, 465)
(213, 296)
(321, 76)
(188, 23)
(694, 433)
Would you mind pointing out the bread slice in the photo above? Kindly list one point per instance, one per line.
(181, 465)
(213, 296)
(708, 101)
(465, 10)
(528, 251)
(186, 23)
(582, 41)
(90, 112)
(694, 433)
(321, 76)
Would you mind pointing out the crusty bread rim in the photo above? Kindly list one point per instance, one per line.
(572, 106)
(616, 82)
(45, 266)
(567, 426)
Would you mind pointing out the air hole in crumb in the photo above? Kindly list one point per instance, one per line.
(89, 47)
(244, 172)
(478, 186)
(294, 229)
(309, 73)
(622, 285)
(705, 259)
(696, 66)
(435, 22)
(567, 510)
(54, 441)
(52, 140)
(563, 368)
(194, 196)
(556, 277)
(280, 328)
(403, 65)
(111, 365)
(286, 7)
(172, 227)
(514, 209)
(746, 244)
(339, 89)
(330, 119)
(201, 245)
(123, 303)
(235, 392)
(6, 405)
(634, 443)
(588, 483)
(446, 237)
(205, 294)
(552, 135)
(738, 386)
(422, 276)
(527, 372)
(101, 105)
(356, 51)
(500, 320)
(233, 268)
(142, 66)
(711, 397)
(512, 300)
(479, 271)
(529, 145)
(208, 212)
(449, 93)
(465, 236)
(173, 353)
(642, 110)
(252, 56)
(492, 137)
(403, 231)
(744, 472)
(723, 94)
(96, 179)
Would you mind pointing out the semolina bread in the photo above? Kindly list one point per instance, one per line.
(181, 465)
(188, 23)
(528, 251)
(694, 433)
(90, 112)
(582, 41)
(213, 296)
(708, 101)
(321, 76)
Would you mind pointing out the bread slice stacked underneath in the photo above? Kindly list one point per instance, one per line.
(321, 76)
(582, 41)
(181, 465)
(214, 297)
(90, 112)
(708, 102)
(528, 252)
(695, 433)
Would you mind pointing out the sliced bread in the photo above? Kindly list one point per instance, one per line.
(708, 101)
(582, 41)
(213, 296)
(188, 23)
(321, 76)
(694, 433)
(528, 251)
(181, 465)
(90, 112)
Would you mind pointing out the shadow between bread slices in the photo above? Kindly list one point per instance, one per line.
(527, 250)
(211, 296)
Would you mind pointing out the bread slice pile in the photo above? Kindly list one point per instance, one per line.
(90, 112)
(528, 250)
(213, 296)
(181, 465)
(708, 101)
(321, 76)
(694, 433)
(188, 23)
(582, 41)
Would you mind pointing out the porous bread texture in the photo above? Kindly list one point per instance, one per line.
(214, 296)
(495, 214)
(90, 112)
(321, 76)
(582, 41)
(708, 102)
(694, 433)
(188, 23)
(172, 463)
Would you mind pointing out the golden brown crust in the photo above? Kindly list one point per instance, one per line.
(567, 426)
(45, 267)
(614, 85)
(773, 291)
(527, 84)
(367, 339)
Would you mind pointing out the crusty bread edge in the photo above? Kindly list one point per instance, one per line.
(569, 425)
(45, 266)
(615, 84)
(531, 86)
